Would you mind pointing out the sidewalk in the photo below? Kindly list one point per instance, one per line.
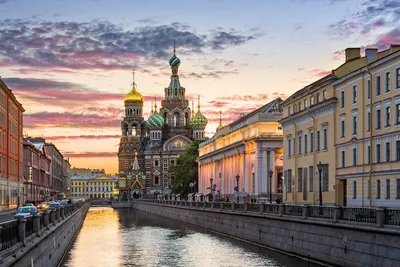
(6, 215)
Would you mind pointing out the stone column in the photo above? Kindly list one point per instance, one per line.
(58, 214)
(380, 217)
(272, 167)
(264, 175)
(336, 213)
(53, 217)
(281, 207)
(21, 231)
(305, 211)
(46, 219)
(245, 172)
(36, 224)
(62, 213)
(262, 207)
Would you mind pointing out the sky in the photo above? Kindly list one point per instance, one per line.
(70, 62)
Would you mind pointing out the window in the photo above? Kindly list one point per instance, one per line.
(289, 147)
(311, 142)
(156, 180)
(289, 110)
(387, 82)
(312, 100)
(325, 178)
(289, 181)
(318, 141)
(368, 155)
(317, 96)
(354, 189)
(354, 124)
(156, 163)
(397, 188)
(387, 124)
(397, 113)
(324, 95)
(305, 103)
(311, 178)
(343, 158)
(342, 125)
(342, 99)
(300, 180)
(354, 156)
(299, 144)
(368, 121)
(378, 85)
(378, 153)
(325, 131)
(378, 119)
(387, 189)
(387, 151)
(299, 106)
(368, 89)
(294, 108)
(398, 78)
(354, 94)
(305, 143)
(378, 189)
(398, 151)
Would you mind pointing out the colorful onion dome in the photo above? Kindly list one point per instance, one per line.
(198, 121)
(133, 97)
(174, 61)
(155, 120)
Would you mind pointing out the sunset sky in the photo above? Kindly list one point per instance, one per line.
(70, 62)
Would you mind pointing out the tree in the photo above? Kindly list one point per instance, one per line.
(185, 171)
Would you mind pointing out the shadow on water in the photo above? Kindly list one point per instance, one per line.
(133, 238)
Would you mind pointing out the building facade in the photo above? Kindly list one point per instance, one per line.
(67, 177)
(93, 186)
(329, 126)
(11, 149)
(36, 172)
(238, 158)
(159, 140)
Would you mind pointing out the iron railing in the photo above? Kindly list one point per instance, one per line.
(8, 234)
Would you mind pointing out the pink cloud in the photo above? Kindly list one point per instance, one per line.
(90, 155)
(85, 137)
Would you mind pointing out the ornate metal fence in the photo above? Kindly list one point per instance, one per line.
(9, 234)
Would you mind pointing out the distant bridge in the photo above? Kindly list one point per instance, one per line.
(100, 203)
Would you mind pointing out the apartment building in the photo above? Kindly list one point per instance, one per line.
(328, 128)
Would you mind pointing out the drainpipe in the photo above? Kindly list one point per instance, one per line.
(370, 134)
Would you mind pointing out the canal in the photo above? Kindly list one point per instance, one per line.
(131, 238)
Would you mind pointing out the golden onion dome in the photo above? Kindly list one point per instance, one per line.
(133, 97)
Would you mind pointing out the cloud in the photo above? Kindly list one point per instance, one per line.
(104, 45)
(89, 154)
(84, 137)
(385, 40)
(258, 97)
(338, 55)
(298, 26)
(315, 72)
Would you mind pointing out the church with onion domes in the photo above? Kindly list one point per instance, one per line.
(153, 145)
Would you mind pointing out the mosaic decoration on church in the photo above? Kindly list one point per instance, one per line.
(178, 144)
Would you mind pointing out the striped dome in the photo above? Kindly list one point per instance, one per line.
(155, 120)
(199, 121)
(174, 61)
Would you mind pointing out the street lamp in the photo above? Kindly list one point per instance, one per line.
(270, 172)
(211, 183)
(320, 166)
(237, 186)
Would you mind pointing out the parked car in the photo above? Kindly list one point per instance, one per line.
(54, 205)
(25, 211)
(43, 206)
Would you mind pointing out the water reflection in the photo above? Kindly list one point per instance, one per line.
(132, 238)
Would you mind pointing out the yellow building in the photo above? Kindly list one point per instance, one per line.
(240, 155)
(93, 186)
(329, 121)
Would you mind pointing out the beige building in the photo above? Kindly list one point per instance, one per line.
(329, 122)
(240, 155)
(93, 186)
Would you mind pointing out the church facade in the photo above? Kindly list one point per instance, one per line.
(158, 141)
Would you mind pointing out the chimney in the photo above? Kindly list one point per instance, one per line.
(394, 48)
(371, 54)
(352, 53)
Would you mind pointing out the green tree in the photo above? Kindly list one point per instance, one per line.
(185, 171)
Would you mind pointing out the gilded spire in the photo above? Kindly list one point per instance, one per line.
(133, 76)
(151, 112)
(155, 103)
(220, 117)
(174, 48)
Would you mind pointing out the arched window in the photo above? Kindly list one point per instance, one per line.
(186, 122)
(134, 131)
(176, 119)
(166, 118)
(176, 92)
(156, 180)
(197, 135)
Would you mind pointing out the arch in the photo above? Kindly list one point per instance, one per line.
(186, 121)
(177, 117)
(125, 128)
(176, 92)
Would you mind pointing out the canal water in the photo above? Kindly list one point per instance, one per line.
(115, 238)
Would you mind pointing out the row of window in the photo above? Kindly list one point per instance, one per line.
(378, 189)
(378, 154)
(304, 104)
(308, 143)
(378, 90)
(93, 189)
(305, 179)
(378, 120)
(92, 183)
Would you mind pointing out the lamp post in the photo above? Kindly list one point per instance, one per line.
(270, 172)
(211, 182)
(237, 186)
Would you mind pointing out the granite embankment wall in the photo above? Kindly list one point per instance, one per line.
(47, 247)
(338, 244)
